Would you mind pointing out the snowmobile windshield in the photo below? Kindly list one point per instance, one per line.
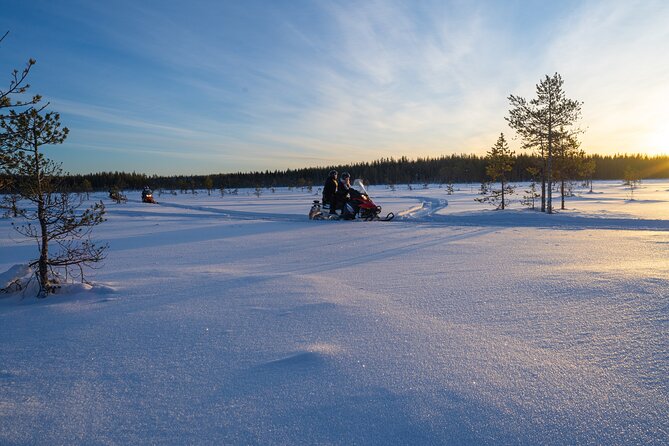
(357, 185)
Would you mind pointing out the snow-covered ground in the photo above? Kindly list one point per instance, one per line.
(236, 320)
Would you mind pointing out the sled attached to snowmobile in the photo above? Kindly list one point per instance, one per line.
(316, 213)
(359, 205)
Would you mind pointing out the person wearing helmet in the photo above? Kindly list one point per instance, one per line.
(330, 192)
(343, 190)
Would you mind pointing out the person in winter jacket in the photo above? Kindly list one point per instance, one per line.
(330, 192)
(343, 190)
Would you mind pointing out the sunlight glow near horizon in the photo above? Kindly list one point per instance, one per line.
(657, 141)
(162, 87)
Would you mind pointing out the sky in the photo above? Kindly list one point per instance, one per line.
(200, 87)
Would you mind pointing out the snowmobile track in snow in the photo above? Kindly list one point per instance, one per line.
(427, 208)
(427, 213)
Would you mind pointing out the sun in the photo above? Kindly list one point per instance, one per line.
(657, 141)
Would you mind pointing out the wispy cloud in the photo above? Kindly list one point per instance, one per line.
(117, 117)
(613, 58)
(275, 85)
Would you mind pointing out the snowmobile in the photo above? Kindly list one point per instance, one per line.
(147, 196)
(359, 205)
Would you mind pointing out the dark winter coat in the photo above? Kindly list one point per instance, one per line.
(330, 192)
(343, 194)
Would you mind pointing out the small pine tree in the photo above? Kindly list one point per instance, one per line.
(533, 193)
(484, 192)
(53, 218)
(183, 186)
(208, 184)
(87, 187)
(588, 168)
(117, 195)
(10, 204)
(531, 196)
(500, 163)
(631, 179)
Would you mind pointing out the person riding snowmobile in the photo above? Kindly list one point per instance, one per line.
(330, 192)
(343, 190)
(353, 201)
(147, 195)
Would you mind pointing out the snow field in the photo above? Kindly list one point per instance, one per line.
(236, 320)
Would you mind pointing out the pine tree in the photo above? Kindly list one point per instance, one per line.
(541, 122)
(86, 187)
(588, 168)
(208, 184)
(569, 161)
(52, 217)
(500, 164)
(632, 179)
(531, 194)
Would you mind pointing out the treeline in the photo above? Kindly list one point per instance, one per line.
(453, 168)
(614, 167)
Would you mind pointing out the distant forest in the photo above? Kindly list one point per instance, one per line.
(442, 170)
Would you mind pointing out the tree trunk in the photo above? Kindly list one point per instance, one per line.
(15, 209)
(562, 193)
(549, 162)
(42, 263)
(549, 177)
(543, 181)
(502, 195)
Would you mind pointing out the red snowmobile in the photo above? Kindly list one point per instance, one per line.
(359, 205)
(147, 196)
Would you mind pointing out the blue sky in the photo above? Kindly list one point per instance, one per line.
(174, 87)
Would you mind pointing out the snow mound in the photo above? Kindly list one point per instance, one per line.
(19, 279)
(311, 357)
(15, 278)
(298, 359)
(71, 289)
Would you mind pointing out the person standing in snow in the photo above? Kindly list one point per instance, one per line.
(330, 192)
